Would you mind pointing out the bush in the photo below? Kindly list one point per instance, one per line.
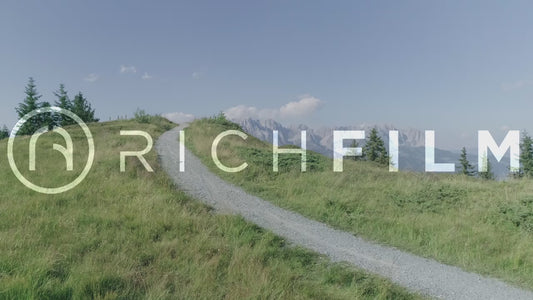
(262, 159)
(142, 117)
(161, 122)
(520, 214)
(4, 133)
(431, 197)
(221, 119)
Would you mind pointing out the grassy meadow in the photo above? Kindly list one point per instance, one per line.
(132, 235)
(478, 225)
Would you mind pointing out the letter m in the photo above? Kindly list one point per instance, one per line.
(511, 141)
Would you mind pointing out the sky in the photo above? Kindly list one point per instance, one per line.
(452, 66)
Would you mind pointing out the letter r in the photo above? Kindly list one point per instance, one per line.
(138, 154)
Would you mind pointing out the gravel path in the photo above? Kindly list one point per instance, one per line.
(415, 273)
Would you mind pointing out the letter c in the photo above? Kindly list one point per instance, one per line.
(215, 156)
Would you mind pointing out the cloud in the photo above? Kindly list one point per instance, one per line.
(297, 109)
(516, 85)
(197, 75)
(146, 76)
(91, 77)
(179, 117)
(127, 69)
(306, 106)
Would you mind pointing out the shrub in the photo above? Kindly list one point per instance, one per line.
(142, 117)
(263, 159)
(520, 214)
(431, 197)
(221, 119)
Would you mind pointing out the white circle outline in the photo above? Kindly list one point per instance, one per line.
(27, 183)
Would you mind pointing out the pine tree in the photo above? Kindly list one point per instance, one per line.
(4, 133)
(30, 103)
(466, 168)
(526, 155)
(47, 119)
(355, 144)
(488, 174)
(374, 149)
(64, 102)
(82, 108)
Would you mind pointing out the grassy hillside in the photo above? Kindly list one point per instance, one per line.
(482, 226)
(132, 235)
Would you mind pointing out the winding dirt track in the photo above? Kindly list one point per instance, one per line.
(415, 273)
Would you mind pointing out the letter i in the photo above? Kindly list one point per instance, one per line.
(182, 151)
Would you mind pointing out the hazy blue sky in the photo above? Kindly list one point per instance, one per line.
(452, 66)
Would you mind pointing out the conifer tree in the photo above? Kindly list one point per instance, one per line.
(526, 155)
(63, 102)
(47, 119)
(82, 108)
(4, 132)
(487, 174)
(466, 167)
(355, 144)
(374, 149)
(30, 103)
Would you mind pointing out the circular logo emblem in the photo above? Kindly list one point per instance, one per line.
(33, 186)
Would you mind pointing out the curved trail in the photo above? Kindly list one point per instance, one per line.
(415, 273)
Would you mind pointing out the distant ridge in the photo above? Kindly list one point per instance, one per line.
(411, 142)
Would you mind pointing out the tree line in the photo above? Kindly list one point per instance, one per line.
(80, 106)
(374, 150)
(468, 169)
(526, 161)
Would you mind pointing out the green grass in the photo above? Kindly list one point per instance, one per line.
(481, 226)
(132, 235)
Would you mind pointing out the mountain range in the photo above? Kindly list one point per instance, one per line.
(411, 142)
